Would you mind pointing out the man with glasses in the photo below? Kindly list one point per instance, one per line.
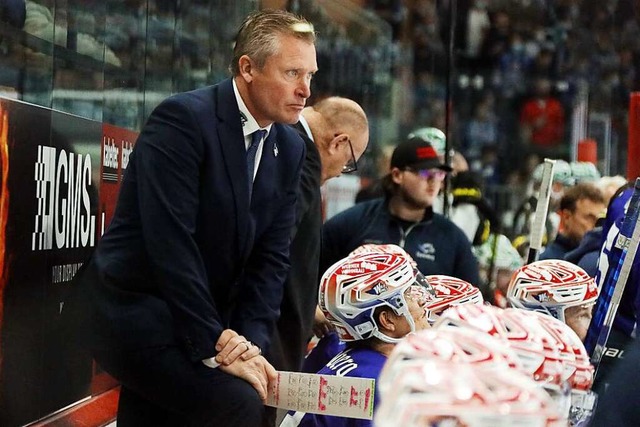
(404, 216)
(336, 133)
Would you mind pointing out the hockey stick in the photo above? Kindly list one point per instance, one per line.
(323, 394)
(540, 216)
(615, 281)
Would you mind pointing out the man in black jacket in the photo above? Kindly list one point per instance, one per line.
(405, 217)
(335, 131)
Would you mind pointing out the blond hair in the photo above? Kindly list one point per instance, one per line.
(259, 34)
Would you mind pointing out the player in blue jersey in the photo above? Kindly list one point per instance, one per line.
(557, 288)
(373, 300)
(448, 291)
(626, 320)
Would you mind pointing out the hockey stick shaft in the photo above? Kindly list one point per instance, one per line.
(540, 216)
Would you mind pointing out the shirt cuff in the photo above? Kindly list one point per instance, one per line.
(211, 362)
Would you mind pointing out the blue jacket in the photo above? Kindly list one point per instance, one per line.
(435, 243)
(558, 248)
(587, 253)
(188, 253)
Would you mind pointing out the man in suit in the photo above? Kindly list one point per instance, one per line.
(187, 281)
(336, 133)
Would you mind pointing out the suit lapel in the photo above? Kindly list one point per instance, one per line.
(234, 155)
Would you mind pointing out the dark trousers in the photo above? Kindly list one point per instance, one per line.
(162, 387)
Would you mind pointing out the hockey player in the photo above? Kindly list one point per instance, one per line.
(557, 288)
(373, 300)
(445, 393)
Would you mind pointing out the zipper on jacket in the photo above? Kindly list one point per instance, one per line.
(404, 234)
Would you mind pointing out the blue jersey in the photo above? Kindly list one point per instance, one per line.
(354, 362)
(323, 352)
(626, 317)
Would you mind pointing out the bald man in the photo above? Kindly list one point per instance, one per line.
(336, 133)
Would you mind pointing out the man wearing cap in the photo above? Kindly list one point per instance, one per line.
(404, 216)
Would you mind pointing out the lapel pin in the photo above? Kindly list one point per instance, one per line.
(275, 149)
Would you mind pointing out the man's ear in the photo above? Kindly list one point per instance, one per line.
(246, 66)
(336, 143)
(387, 321)
(396, 175)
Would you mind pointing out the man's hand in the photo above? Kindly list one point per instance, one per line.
(256, 371)
(230, 346)
(321, 326)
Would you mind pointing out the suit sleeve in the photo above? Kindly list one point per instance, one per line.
(258, 304)
(168, 157)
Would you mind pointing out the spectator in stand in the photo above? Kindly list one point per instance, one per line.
(580, 208)
(543, 64)
(497, 39)
(542, 121)
(477, 26)
(513, 66)
(481, 130)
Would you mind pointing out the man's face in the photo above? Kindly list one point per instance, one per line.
(582, 219)
(278, 91)
(578, 319)
(419, 188)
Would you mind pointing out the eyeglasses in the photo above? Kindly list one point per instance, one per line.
(352, 165)
(428, 174)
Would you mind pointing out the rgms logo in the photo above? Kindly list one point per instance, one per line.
(63, 219)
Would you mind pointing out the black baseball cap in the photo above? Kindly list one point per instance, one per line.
(416, 153)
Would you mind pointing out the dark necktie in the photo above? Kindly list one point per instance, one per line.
(256, 137)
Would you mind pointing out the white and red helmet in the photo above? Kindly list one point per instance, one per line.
(550, 286)
(450, 291)
(439, 392)
(354, 287)
(537, 351)
(578, 371)
(459, 345)
(387, 248)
